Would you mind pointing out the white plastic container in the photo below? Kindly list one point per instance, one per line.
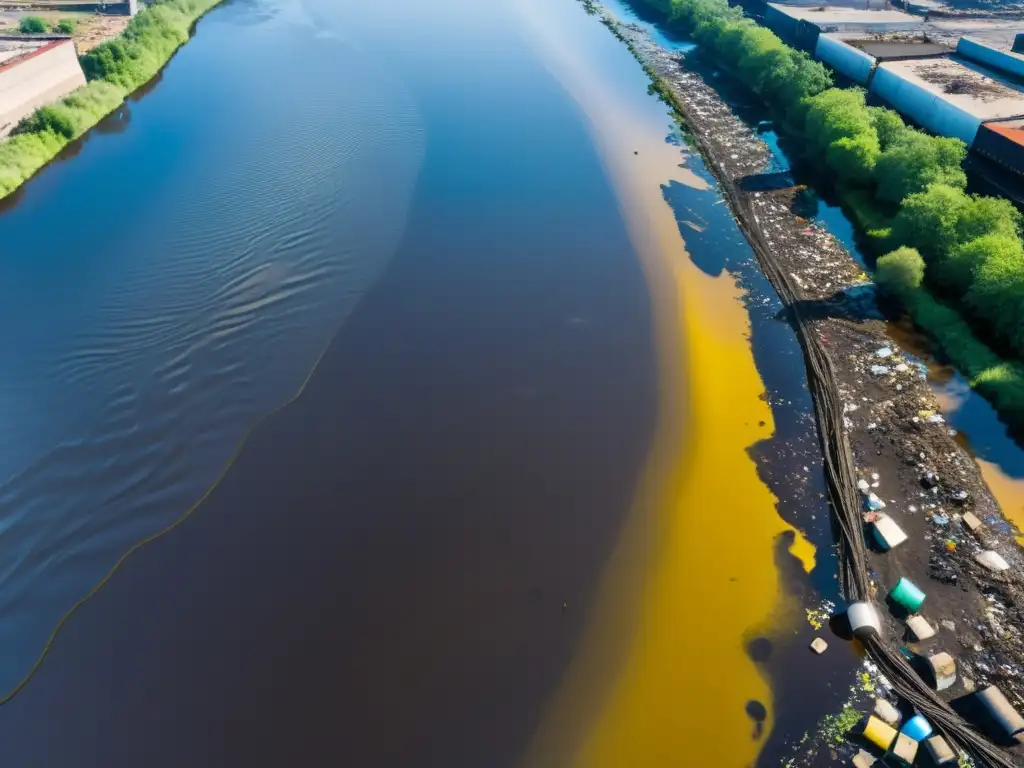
(864, 621)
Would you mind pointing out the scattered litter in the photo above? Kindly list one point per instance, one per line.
(951, 626)
(907, 594)
(944, 668)
(920, 629)
(875, 503)
(1002, 711)
(887, 533)
(864, 486)
(864, 621)
(960, 497)
(902, 368)
(940, 519)
(905, 749)
(939, 751)
(968, 684)
(936, 418)
(918, 728)
(879, 733)
(818, 645)
(863, 759)
(992, 560)
(884, 352)
(971, 521)
(886, 712)
(879, 370)
(950, 546)
(929, 480)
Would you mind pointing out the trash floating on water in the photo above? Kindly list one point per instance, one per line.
(907, 594)
(886, 712)
(904, 750)
(1002, 711)
(874, 503)
(920, 629)
(864, 620)
(863, 759)
(887, 533)
(971, 521)
(944, 668)
(992, 560)
(818, 645)
(881, 734)
(918, 728)
(939, 751)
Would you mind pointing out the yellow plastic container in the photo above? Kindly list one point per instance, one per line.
(879, 733)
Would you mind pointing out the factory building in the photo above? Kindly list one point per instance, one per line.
(856, 56)
(801, 26)
(34, 72)
(1005, 62)
(947, 96)
(1002, 142)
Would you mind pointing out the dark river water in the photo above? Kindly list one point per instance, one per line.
(379, 577)
(351, 301)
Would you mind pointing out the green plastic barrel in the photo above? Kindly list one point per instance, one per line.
(907, 594)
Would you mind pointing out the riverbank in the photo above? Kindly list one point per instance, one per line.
(887, 417)
(114, 69)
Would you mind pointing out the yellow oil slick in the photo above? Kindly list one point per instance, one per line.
(662, 676)
(1008, 492)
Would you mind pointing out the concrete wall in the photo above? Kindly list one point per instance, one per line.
(1002, 61)
(924, 107)
(37, 79)
(780, 23)
(844, 58)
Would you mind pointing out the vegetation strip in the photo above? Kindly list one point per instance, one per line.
(113, 69)
(840, 469)
(969, 246)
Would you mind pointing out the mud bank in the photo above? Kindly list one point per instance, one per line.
(891, 424)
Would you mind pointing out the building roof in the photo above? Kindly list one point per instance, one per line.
(969, 87)
(836, 15)
(1010, 129)
(15, 50)
(889, 50)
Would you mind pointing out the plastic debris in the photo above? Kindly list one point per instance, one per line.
(874, 503)
(879, 733)
(887, 533)
(939, 751)
(879, 370)
(863, 759)
(940, 519)
(918, 728)
(864, 621)
(992, 560)
(904, 750)
(864, 486)
(907, 594)
(818, 645)
(884, 352)
(936, 418)
(959, 497)
(944, 668)
(902, 368)
(929, 480)
(920, 629)
(1002, 711)
(972, 521)
(886, 712)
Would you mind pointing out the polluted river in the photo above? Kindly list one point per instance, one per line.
(388, 384)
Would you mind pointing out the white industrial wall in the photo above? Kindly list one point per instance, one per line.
(992, 57)
(45, 77)
(853, 63)
(923, 106)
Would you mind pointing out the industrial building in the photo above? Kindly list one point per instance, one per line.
(947, 96)
(1006, 62)
(857, 56)
(801, 26)
(1002, 142)
(34, 72)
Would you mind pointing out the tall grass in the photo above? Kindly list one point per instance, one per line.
(114, 69)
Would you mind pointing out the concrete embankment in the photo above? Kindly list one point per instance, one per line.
(35, 76)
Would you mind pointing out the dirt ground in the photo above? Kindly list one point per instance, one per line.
(91, 28)
(905, 452)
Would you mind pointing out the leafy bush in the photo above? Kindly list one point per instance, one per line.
(929, 220)
(32, 25)
(900, 273)
(917, 160)
(65, 26)
(958, 270)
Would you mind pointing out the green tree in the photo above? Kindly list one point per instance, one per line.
(928, 220)
(835, 114)
(916, 161)
(888, 125)
(32, 25)
(900, 272)
(988, 215)
(854, 157)
(957, 271)
(997, 295)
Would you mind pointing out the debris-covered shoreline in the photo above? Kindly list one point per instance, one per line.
(911, 471)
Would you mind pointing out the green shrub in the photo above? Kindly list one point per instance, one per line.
(888, 125)
(916, 161)
(65, 26)
(928, 220)
(997, 293)
(32, 25)
(957, 271)
(900, 273)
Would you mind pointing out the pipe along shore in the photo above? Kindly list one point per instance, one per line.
(839, 465)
